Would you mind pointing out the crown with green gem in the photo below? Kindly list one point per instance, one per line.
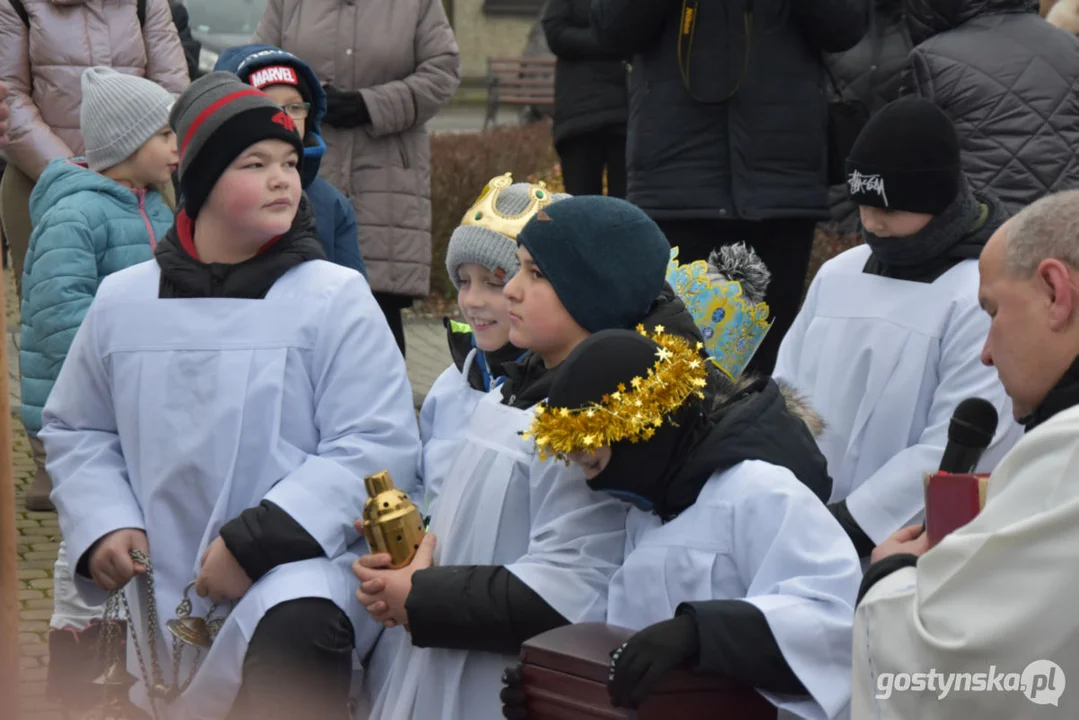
(484, 213)
(733, 327)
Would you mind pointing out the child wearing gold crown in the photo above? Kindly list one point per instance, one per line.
(523, 545)
(480, 259)
(732, 566)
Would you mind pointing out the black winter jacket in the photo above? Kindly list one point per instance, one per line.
(1010, 82)
(871, 72)
(192, 47)
(756, 154)
(590, 87)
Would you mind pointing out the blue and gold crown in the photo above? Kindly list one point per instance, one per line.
(733, 326)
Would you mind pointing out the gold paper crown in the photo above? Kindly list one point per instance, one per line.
(733, 327)
(627, 414)
(484, 213)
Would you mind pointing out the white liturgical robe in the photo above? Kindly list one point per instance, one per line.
(498, 504)
(755, 533)
(885, 362)
(443, 422)
(174, 415)
(985, 625)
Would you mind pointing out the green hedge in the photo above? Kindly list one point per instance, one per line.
(462, 163)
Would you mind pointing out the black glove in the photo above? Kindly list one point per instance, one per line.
(863, 545)
(345, 108)
(513, 695)
(641, 662)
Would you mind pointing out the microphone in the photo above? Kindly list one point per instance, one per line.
(973, 425)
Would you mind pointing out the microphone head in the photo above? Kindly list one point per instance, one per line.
(974, 423)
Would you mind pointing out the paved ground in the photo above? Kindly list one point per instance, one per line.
(39, 534)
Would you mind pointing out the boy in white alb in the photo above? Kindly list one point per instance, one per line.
(732, 565)
(480, 259)
(213, 423)
(888, 341)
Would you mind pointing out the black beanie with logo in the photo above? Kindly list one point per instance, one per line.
(906, 158)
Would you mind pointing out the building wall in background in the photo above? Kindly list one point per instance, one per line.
(481, 36)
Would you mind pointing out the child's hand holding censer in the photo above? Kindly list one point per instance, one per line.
(392, 523)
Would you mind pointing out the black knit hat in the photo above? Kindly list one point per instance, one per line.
(216, 119)
(905, 158)
(606, 259)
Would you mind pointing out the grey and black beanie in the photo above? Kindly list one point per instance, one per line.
(476, 243)
(216, 119)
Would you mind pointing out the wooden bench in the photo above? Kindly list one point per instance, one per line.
(518, 81)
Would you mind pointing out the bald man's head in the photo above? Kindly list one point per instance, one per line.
(1029, 285)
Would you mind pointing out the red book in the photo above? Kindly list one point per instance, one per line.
(952, 501)
(565, 678)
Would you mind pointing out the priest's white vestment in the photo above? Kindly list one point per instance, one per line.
(985, 625)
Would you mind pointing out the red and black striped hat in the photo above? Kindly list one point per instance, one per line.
(216, 119)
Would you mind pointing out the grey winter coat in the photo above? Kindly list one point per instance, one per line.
(403, 58)
(1010, 82)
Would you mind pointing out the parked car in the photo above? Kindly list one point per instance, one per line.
(221, 24)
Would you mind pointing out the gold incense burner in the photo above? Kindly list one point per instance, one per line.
(391, 521)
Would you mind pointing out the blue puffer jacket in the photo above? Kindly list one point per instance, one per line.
(333, 212)
(85, 227)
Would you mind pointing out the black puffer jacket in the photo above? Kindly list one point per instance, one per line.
(704, 152)
(1010, 83)
(192, 47)
(590, 90)
(870, 72)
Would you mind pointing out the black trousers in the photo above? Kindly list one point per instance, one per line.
(785, 247)
(585, 157)
(392, 305)
(298, 664)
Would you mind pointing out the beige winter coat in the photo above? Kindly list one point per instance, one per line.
(43, 66)
(403, 58)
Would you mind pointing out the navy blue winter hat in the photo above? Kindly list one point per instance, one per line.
(606, 259)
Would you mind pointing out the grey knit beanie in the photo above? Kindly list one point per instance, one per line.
(478, 241)
(119, 113)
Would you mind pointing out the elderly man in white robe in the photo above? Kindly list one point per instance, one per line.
(984, 624)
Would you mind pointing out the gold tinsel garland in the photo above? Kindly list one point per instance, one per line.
(629, 413)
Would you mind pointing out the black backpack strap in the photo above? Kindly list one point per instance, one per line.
(20, 10)
(140, 10)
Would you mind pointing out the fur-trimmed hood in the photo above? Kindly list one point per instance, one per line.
(794, 402)
(759, 419)
(798, 406)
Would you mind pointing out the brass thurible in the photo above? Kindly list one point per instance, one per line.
(187, 629)
(391, 521)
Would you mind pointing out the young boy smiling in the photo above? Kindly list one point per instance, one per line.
(217, 411)
(480, 258)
